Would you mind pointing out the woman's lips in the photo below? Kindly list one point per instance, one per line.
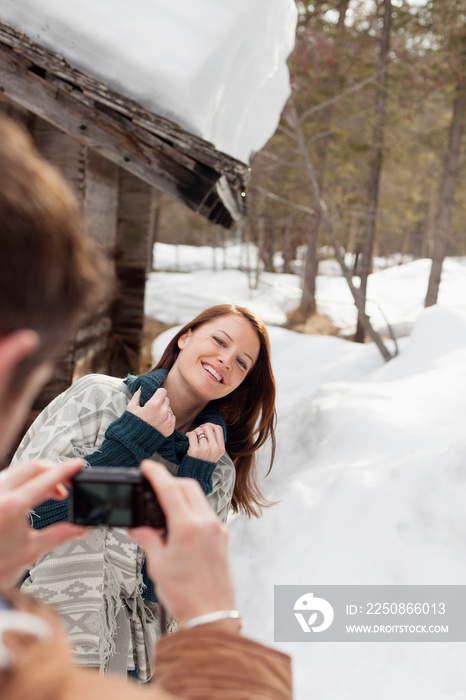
(213, 373)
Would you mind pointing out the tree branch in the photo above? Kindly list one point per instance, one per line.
(277, 198)
(354, 88)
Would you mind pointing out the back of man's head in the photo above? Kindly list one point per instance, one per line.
(50, 272)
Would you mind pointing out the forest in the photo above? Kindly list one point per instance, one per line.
(368, 158)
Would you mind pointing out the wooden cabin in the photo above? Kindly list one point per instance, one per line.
(114, 153)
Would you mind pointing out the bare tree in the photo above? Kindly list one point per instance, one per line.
(320, 204)
(308, 304)
(448, 186)
(373, 188)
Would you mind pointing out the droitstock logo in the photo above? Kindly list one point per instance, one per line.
(369, 613)
(317, 610)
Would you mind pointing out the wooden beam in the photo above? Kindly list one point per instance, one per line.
(101, 200)
(135, 213)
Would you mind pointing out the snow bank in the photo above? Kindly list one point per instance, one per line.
(194, 292)
(371, 486)
(370, 482)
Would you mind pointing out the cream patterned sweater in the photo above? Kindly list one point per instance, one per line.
(96, 584)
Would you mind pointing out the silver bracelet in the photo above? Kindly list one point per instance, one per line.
(211, 617)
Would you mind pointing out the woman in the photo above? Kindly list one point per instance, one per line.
(203, 411)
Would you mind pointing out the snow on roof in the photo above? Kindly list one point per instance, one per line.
(216, 68)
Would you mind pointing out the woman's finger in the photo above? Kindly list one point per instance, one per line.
(194, 449)
(158, 398)
(214, 435)
(192, 437)
(135, 401)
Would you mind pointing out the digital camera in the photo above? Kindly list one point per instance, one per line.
(116, 497)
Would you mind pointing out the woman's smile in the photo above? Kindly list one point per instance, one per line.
(214, 373)
(216, 357)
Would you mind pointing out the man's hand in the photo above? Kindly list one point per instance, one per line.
(190, 566)
(156, 411)
(21, 489)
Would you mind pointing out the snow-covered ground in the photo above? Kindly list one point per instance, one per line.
(395, 294)
(369, 472)
(216, 68)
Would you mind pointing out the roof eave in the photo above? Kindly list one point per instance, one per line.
(154, 149)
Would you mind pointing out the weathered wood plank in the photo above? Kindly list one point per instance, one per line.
(60, 381)
(64, 152)
(101, 200)
(135, 220)
(128, 321)
(91, 348)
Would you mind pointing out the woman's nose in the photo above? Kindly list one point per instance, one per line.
(226, 359)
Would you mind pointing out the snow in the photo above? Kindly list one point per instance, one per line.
(216, 68)
(369, 471)
(395, 294)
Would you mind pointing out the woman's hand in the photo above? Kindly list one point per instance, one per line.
(206, 442)
(156, 411)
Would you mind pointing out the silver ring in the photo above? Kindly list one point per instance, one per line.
(200, 436)
(170, 411)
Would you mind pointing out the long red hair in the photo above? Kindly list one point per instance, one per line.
(249, 411)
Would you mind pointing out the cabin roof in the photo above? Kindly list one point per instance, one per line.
(154, 149)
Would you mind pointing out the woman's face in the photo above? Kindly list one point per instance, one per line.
(216, 357)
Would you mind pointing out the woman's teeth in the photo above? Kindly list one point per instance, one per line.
(213, 372)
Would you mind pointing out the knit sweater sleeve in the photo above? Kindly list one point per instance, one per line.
(128, 440)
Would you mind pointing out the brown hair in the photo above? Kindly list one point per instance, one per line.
(249, 411)
(50, 271)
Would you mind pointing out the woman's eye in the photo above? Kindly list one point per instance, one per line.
(219, 341)
(242, 364)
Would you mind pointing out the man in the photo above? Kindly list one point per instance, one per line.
(49, 276)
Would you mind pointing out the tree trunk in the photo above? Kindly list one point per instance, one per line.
(268, 251)
(326, 220)
(447, 191)
(311, 262)
(405, 243)
(288, 251)
(376, 167)
(308, 305)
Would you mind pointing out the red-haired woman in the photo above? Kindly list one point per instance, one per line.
(204, 411)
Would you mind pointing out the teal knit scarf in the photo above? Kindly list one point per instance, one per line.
(176, 446)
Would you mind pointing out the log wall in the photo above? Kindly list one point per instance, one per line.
(118, 213)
